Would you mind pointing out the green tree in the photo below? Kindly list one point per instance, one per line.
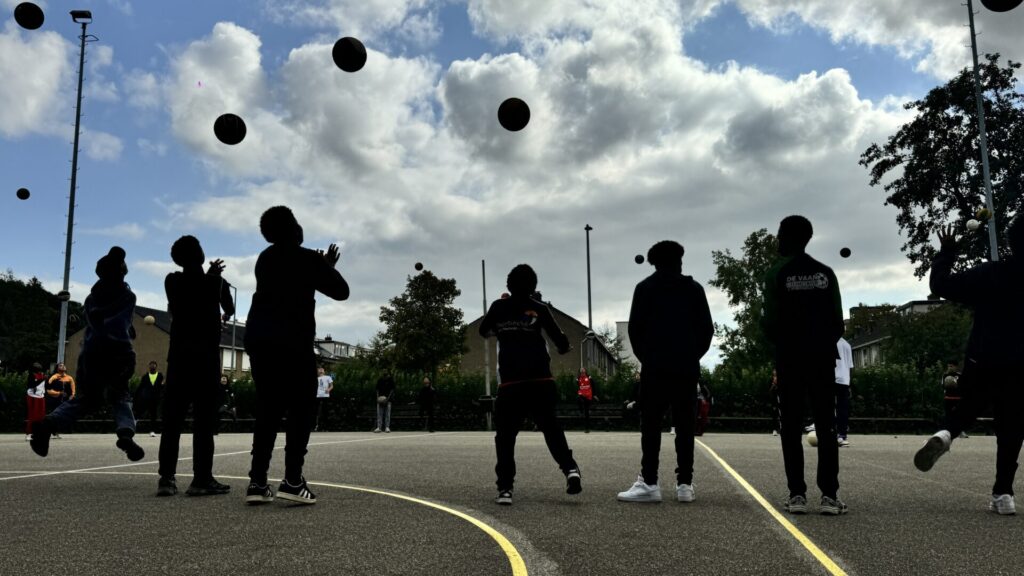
(924, 340)
(742, 279)
(29, 318)
(423, 329)
(936, 162)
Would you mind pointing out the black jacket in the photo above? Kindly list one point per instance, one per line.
(520, 324)
(670, 325)
(386, 387)
(994, 291)
(426, 396)
(194, 300)
(803, 311)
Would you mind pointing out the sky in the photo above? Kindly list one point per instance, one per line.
(699, 121)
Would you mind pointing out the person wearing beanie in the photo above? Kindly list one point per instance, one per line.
(802, 321)
(195, 300)
(106, 363)
(670, 329)
(527, 386)
(279, 340)
(992, 373)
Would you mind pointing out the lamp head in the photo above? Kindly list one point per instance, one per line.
(81, 16)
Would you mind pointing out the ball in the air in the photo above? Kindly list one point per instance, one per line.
(229, 129)
(812, 438)
(349, 54)
(1000, 5)
(149, 320)
(845, 252)
(418, 266)
(513, 114)
(639, 259)
(28, 15)
(973, 224)
(23, 193)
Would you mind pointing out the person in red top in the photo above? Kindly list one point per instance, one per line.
(35, 398)
(585, 396)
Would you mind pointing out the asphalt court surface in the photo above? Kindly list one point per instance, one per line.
(414, 503)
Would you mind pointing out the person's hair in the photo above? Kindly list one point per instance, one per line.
(522, 280)
(37, 366)
(278, 224)
(112, 265)
(666, 253)
(152, 361)
(186, 251)
(797, 230)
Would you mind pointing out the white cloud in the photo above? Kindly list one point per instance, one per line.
(363, 19)
(127, 230)
(150, 148)
(100, 145)
(142, 89)
(33, 99)
(98, 87)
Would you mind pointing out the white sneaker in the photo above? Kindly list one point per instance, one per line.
(684, 493)
(936, 446)
(387, 430)
(152, 434)
(775, 432)
(1002, 504)
(843, 442)
(376, 430)
(641, 492)
(28, 437)
(672, 431)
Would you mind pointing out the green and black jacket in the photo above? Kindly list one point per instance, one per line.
(803, 310)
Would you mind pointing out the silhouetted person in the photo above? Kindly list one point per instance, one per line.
(59, 388)
(324, 387)
(585, 396)
(35, 402)
(425, 399)
(951, 395)
(147, 396)
(385, 393)
(279, 340)
(993, 372)
(527, 387)
(844, 363)
(195, 300)
(670, 329)
(107, 360)
(803, 320)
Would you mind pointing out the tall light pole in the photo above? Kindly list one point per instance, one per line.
(83, 17)
(487, 344)
(590, 312)
(983, 141)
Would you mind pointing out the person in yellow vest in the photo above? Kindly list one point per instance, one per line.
(60, 387)
(147, 396)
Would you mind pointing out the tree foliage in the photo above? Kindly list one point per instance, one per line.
(29, 321)
(932, 338)
(936, 162)
(423, 329)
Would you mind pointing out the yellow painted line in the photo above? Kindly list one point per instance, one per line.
(802, 538)
(515, 560)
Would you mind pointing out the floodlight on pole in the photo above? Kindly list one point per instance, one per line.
(83, 17)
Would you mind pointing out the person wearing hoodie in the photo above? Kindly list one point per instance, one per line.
(106, 363)
(670, 329)
(993, 373)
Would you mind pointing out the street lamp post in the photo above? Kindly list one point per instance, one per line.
(983, 141)
(588, 336)
(590, 312)
(83, 17)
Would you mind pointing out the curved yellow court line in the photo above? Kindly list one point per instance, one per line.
(515, 560)
(811, 547)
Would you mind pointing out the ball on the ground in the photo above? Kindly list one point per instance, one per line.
(812, 438)
(845, 252)
(149, 320)
(418, 266)
(513, 114)
(639, 259)
(229, 129)
(23, 193)
(382, 399)
(973, 224)
(28, 15)
(1001, 5)
(349, 54)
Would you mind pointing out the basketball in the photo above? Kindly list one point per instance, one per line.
(382, 399)
(149, 320)
(845, 252)
(229, 129)
(1001, 5)
(23, 193)
(418, 266)
(349, 54)
(812, 438)
(973, 225)
(28, 16)
(513, 114)
(639, 259)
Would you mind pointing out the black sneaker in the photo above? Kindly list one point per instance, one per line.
(40, 441)
(166, 487)
(573, 482)
(833, 506)
(133, 450)
(504, 498)
(257, 494)
(300, 494)
(796, 504)
(207, 488)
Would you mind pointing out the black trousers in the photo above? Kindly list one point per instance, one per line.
(147, 406)
(797, 384)
(286, 386)
(952, 405)
(585, 409)
(427, 415)
(190, 382)
(660, 392)
(514, 403)
(842, 410)
(1003, 388)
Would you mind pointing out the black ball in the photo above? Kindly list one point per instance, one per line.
(23, 193)
(513, 114)
(1001, 5)
(28, 15)
(845, 252)
(349, 54)
(639, 259)
(229, 129)
(419, 266)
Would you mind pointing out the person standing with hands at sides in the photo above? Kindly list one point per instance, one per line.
(195, 300)
(147, 395)
(385, 391)
(803, 321)
(324, 387)
(670, 329)
(107, 360)
(425, 399)
(59, 388)
(279, 338)
(951, 393)
(35, 398)
(993, 372)
(585, 397)
(526, 387)
(843, 365)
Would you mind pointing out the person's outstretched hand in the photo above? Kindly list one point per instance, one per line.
(216, 266)
(332, 255)
(947, 237)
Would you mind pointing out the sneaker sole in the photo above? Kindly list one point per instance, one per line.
(1001, 512)
(796, 509)
(833, 511)
(644, 500)
(253, 500)
(294, 498)
(685, 499)
(205, 492)
(929, 454)
(503, 502)
(575, 485)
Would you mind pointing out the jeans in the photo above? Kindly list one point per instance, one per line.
(100, 374)
(190, 383)
(285, 386)
(796, 385)
(384, 415)
(842, 410)
(659, 392)
(514, 403)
